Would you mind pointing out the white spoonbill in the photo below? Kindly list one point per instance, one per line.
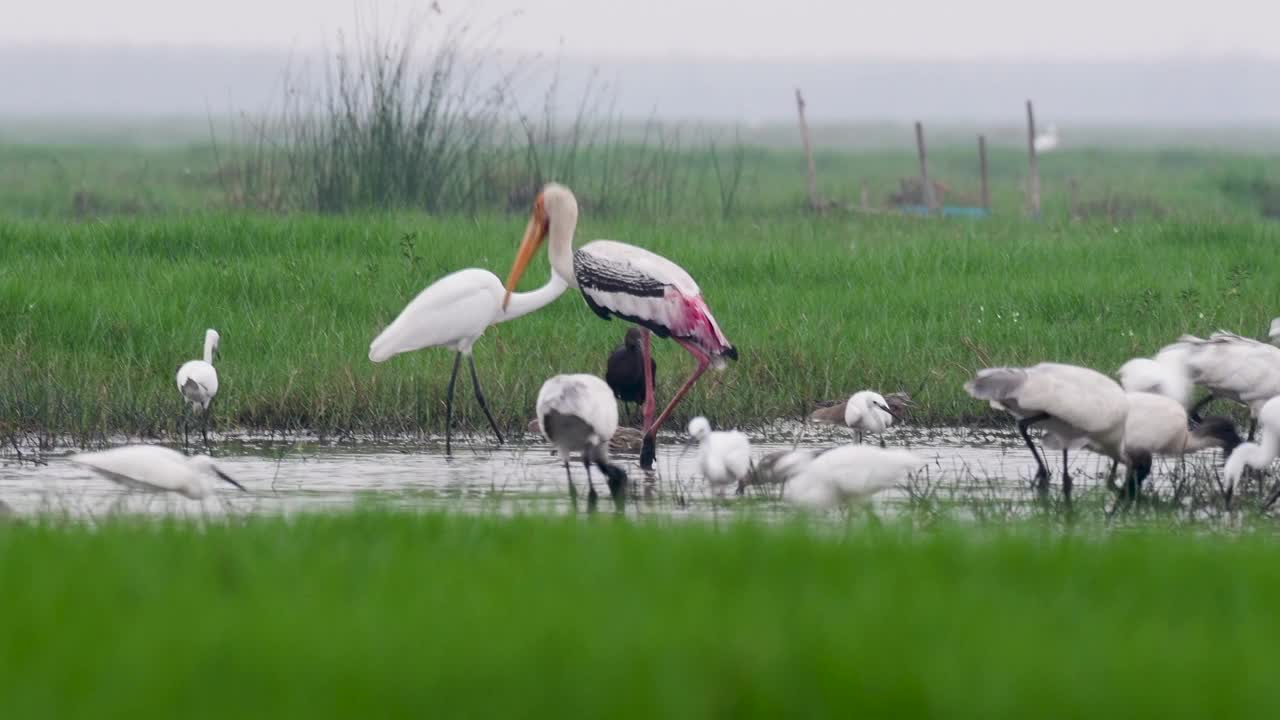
(1231, 367)
(865, 411)
(1157, 425)
(153, 468)
(1256, 455)
(848, 474)
(724, 456)
(198, 383)
(631, 283)
(578, 413)
(453, 312)
(1164, 374)
(1076, 406)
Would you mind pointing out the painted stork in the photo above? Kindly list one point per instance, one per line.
(454, 312)
(723, 456)
(848, 474)
(1076, 406)
(153, 468)
(631, 283)
(1231, 367)
(198, 383)
(578, 413)
(865, 412)
(624, 370)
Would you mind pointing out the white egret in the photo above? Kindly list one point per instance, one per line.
(198, 383)
(1274, 333)
(724, 456)
(865, 412)
(1047, 141)
(1076, 406)
(578, 413)
(848, 474)
(453, 312)
(153, 468)
(631, 283)
(1256, 455)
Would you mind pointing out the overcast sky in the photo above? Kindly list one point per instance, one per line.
(739, 29)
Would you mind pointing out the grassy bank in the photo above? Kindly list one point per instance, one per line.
(96, 316)
(375, 613)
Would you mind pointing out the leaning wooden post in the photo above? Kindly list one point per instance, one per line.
(930, 201)
(982, 166)
(814, 201)
(1033, 182)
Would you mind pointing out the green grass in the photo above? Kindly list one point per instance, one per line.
(98, 315)
(378, 614)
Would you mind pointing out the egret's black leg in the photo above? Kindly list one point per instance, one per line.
(881, 436)
(1111, 477)
(592, 497)
(1253, 427)
(1042, 471)
(186, 426)
(448, 407)
(480, 399)
(573, 491)
(1066, 479)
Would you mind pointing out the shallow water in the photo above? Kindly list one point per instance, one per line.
(291, 475)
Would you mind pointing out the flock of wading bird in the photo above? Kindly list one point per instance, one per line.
(1147, 413)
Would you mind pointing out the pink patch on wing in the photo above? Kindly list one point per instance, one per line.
(692, 321)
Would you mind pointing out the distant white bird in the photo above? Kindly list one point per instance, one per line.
(1076, 406)
(865, 412)
(198, 383)
(453, 312)
(1157, 425)
(1274, 333)
(848, 474)
(578, 413)
(1256, 455)
(723, 456)
(1230, 367)
(153, 468)
(1047, 141)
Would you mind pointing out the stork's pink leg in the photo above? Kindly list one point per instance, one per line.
(704, 362)
(649, 403)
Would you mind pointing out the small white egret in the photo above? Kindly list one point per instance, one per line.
(153, 468)
(454, 312)
(1230, 367)
(198, 383)
(1274, 333)
(848, 474)
(1076, 406)
(1256, 455)
(578, 413)
(865, 412)
(723, 456)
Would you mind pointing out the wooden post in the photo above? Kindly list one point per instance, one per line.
(814, 201)
(926, 187)
(866, 197)
(982, 166)
(1033, 182)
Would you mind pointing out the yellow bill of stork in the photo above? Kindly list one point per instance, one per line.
(631, 283)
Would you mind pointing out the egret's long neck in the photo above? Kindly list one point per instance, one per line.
(523, 303)
(560, 245)
(1253, 455)
(208, 348)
